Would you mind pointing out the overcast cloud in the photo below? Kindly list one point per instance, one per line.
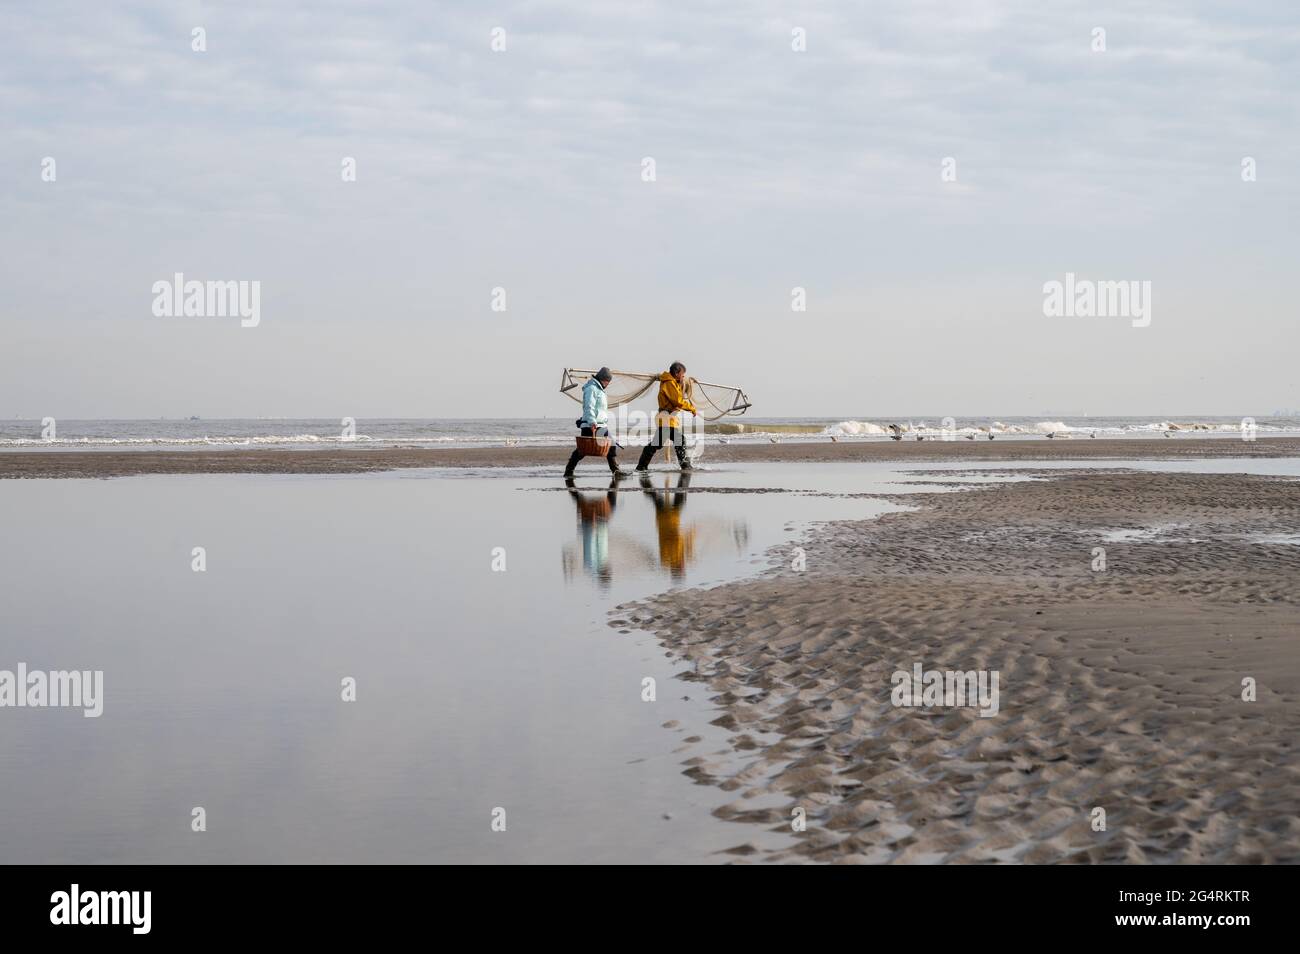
(522, 169)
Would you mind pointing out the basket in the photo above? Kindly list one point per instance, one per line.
(594, 446)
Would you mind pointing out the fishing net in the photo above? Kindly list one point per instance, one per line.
(714, 401)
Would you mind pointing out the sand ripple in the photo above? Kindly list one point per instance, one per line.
(1120, 689)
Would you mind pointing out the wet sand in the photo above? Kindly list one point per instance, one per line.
(362, 459)
(1119, 689)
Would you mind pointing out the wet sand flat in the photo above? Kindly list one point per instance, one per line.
(1120, 686)
(362, 459)
(1121, 689)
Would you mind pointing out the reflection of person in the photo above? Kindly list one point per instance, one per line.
(672, 400)
(593, 522)
(595, 417)
(676, 548)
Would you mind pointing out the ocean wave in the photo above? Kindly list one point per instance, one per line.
(272, 440)
(177, 441)
(1040, 429)
(463, 436)
(854, 429)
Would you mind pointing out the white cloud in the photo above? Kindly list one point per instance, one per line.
(522, 168)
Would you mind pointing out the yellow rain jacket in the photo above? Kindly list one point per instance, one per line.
(671, 400)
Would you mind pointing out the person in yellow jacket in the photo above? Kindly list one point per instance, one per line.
(672, 400)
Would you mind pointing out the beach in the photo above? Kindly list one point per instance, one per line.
(357, 459)
(1121, 687)
(1131, 604)
(656, 435)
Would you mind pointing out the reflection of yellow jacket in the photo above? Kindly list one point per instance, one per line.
(676, 549)
(671, 400)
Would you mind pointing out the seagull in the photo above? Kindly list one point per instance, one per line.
(723, 440)
(970, 437)
(774, 440)
(990, 435)
(920, 437)
(1051, 435)
(511, 441)
(897, 434)
(834, 439)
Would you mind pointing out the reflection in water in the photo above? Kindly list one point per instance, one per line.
(676, 543)
(594, 512)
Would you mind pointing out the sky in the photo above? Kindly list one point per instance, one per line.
(523, 169)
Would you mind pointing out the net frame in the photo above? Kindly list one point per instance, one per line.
(638, 383)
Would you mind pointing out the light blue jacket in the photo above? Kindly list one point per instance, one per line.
(595, 407)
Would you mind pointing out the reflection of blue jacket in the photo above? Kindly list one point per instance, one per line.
(595, 407)
(595, 546)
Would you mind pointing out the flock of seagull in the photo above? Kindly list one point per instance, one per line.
(895, 434)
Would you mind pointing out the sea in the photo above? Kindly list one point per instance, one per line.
(196, 432)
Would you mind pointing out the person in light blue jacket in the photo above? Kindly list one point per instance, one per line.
(595, 406)
(595, 417)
